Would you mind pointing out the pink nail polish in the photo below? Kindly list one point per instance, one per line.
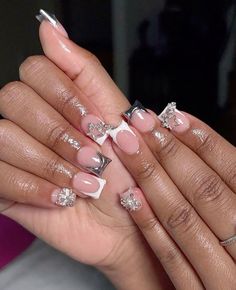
(51, 18)
(91, 160)
(140, 118)
(88, 184)
(130, 199)
(95, 128)
(173, 119)
(125, 138)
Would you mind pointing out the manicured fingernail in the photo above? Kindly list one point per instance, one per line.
(51, 18)
(88, 184)
(95, 128)
(140, 118)
(173, 119)
(130, 199)
(91, 160)
(125, 138)
(64, 197)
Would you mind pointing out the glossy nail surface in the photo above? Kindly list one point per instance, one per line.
(91, 160)
(95, 128)
(140, 118)
(125, 138)
(51, 18)
(173, 119)
(64, 197)
(130, 199)
(88, 184)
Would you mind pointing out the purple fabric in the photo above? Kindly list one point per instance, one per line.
(14, 239)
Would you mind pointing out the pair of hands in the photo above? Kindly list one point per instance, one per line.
(187, 176)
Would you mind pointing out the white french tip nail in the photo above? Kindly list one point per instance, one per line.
(97, 194)
(122, 127)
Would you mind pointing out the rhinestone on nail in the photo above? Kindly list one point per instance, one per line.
(99, 130)
(66, 198)
(130, 202)
(168, 118)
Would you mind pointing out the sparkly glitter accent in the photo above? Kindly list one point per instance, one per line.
(129, 202)
(136, 106)
(99, 130)
(61, 169)
(159, 136)
(103, 161)
(168, 116)
(74, 143)
(200, 134)
(82, 109)
(66, 198)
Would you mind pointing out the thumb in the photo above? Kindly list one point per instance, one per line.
(84, 69)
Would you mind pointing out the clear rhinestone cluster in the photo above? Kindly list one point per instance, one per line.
(130, 202)
(66, 198)
(168, 117)
(96, 131)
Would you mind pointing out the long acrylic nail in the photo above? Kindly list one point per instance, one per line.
(92, 160)
(51, 18)
(88, 184)
(95, 128)
(140, 118)
(125, 138)
(64, 197)
(173, 119)
(130, 199)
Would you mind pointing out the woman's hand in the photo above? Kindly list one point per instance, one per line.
(188, 205)
(42, 152)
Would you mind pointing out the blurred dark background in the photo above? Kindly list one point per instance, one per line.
(157, 51)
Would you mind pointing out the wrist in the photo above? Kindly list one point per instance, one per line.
(136, 268)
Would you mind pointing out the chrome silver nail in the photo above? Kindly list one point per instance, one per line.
(168, 118)
(136, 106)
(65, 197)
(103, 161)
(44, 15)
(129, 201)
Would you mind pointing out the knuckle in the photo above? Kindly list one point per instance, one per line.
(31, 64)
(169, 148)
(169, 256)
(92, 58)
(51, 167)
(146, 171)
(66, 99)
(231, 175)
(149, 225)
(210, 188)
(5, 129)
(181, 218)
(56, 134)
(10, 89)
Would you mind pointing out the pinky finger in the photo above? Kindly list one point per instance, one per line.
(172, 259)
(22, 187)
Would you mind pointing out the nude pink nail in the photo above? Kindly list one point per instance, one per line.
(125, 138)
(92, 160)
(95, 128)
(140, 118)
(88, 184)
(173, 119)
